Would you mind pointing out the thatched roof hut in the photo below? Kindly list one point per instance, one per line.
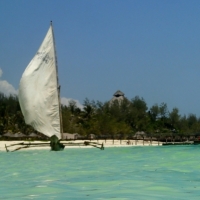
(71, 136)
(33, 135)
(19, 135)
(118, 93)
(117, 96)
(8, 134)
(14, 136)
(140, 134)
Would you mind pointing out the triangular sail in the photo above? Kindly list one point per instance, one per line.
(38, 90)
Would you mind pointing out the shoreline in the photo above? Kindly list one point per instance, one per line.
(106, 143)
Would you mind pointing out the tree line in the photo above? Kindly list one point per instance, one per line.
(119, 119)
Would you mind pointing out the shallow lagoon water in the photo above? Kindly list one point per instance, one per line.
(161, 172)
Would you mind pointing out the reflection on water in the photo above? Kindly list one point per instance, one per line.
(171, 172)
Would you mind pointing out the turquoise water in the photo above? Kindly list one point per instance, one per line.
(171, 172)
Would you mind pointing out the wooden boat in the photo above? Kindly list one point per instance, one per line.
(39, 96)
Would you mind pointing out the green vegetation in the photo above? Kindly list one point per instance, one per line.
(11, 118)
(107, 120)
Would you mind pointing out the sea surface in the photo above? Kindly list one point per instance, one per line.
(152, 172)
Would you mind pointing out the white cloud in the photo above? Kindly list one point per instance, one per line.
(6, 87)
(65, 101)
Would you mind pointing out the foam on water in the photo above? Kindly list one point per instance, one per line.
(171, 172)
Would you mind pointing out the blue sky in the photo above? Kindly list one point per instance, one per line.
(148, 48)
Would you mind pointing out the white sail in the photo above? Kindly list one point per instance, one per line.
(38, 90)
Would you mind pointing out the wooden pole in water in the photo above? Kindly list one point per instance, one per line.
(151, 140)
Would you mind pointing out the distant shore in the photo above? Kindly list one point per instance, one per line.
(106, 143)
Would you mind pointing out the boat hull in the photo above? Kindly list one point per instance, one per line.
(55, 144)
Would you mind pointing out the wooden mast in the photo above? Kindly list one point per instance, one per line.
(58, 86)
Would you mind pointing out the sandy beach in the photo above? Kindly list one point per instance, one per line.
(107, 143)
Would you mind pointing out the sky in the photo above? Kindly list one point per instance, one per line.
(145, 48)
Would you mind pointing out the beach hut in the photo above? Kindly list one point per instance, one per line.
(92, 136)
(33, 136)
(77, 136)
(140, 134)
(19, 136)
(8, 135)
(71, 136)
